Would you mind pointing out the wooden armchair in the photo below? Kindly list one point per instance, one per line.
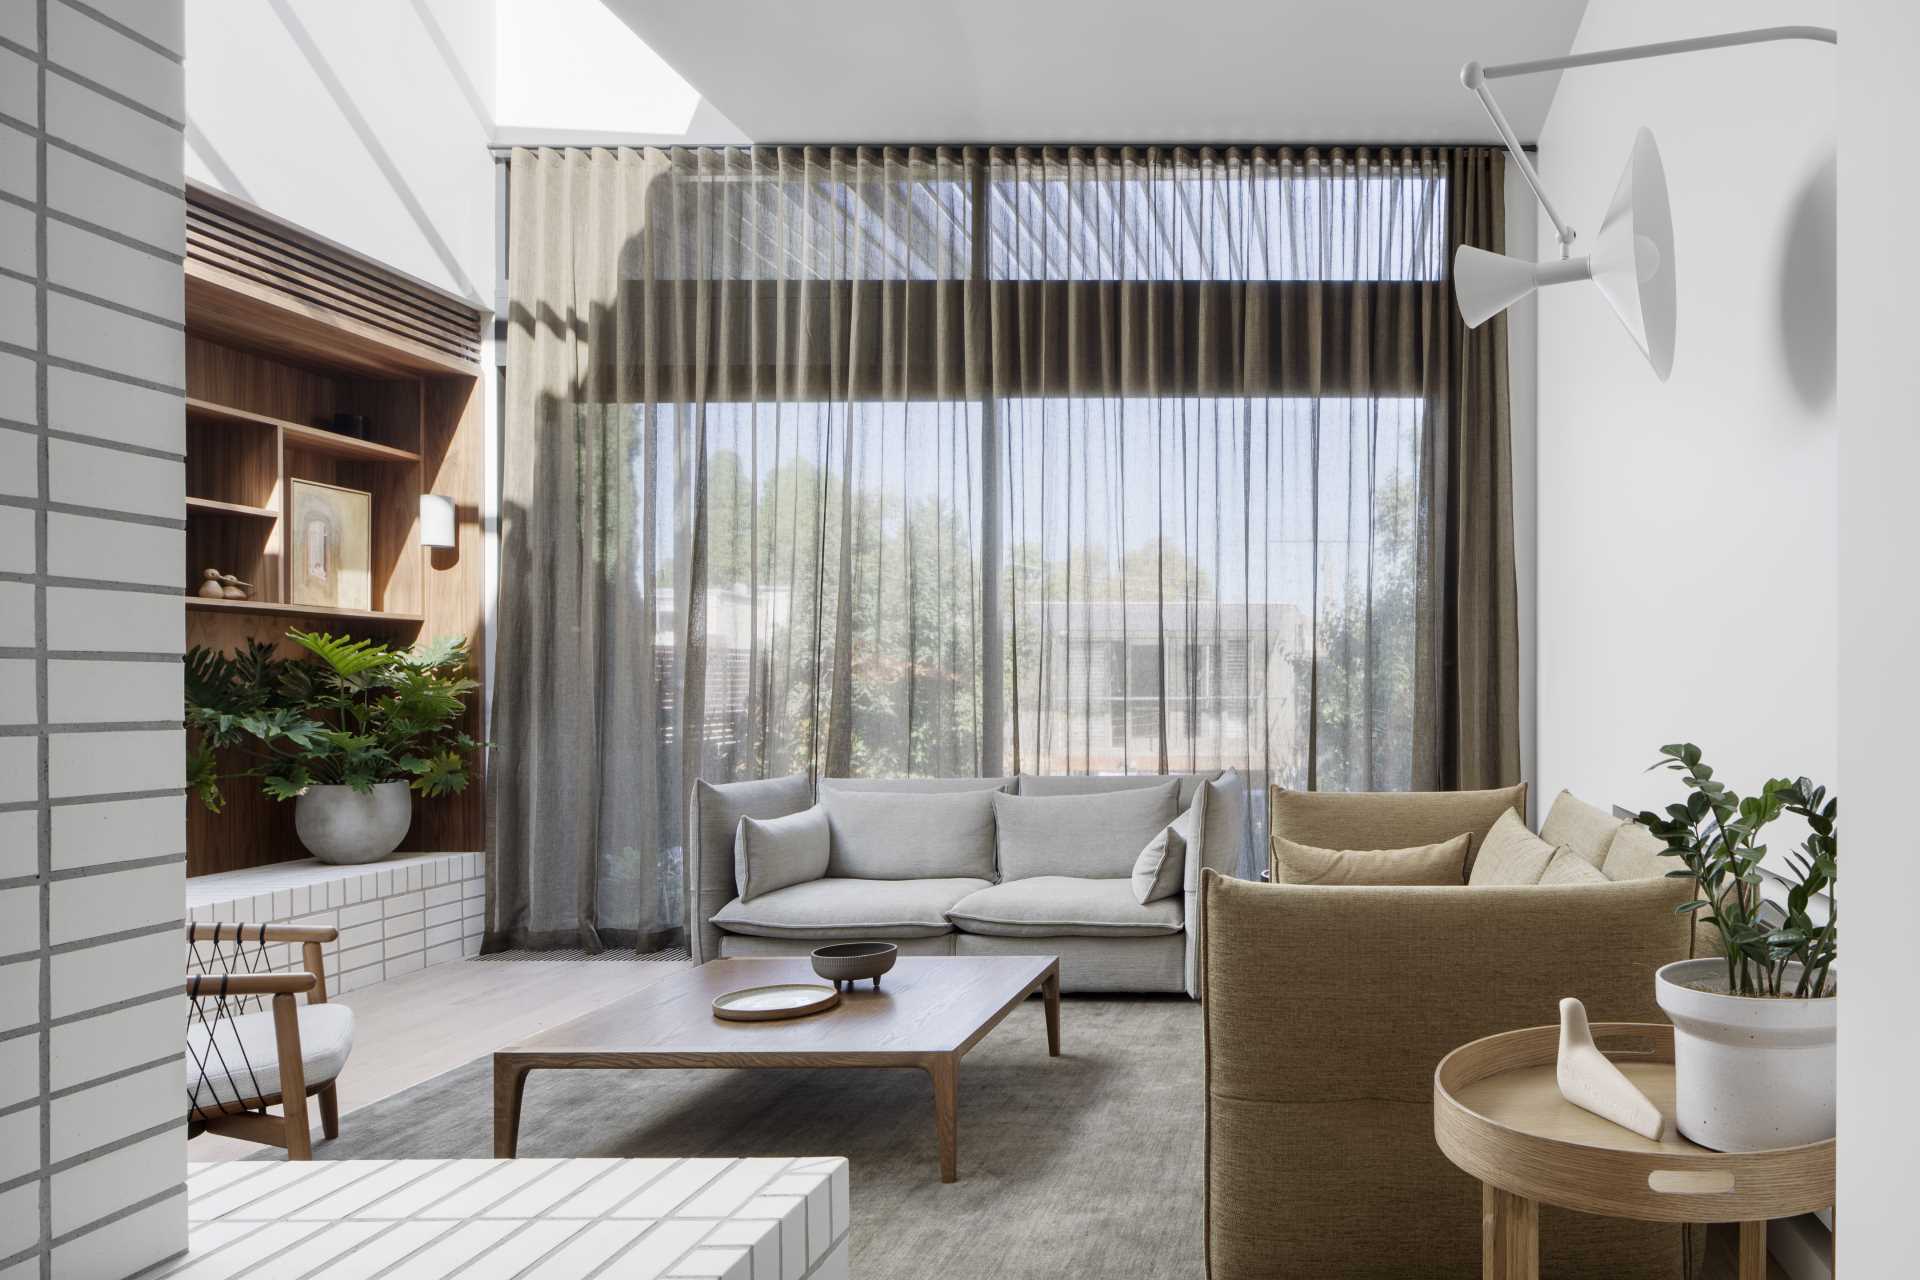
(251, 1044)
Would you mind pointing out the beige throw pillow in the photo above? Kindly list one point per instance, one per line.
(1511, 854)
(1568, 866)
(1161, 869)
(1581, 827)
(1443, 863)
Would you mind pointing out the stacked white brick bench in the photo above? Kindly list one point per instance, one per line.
(752, 1219)
(394, 917)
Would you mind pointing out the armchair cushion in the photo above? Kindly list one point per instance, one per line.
(1568, 867)
(1071, 906)
(772, 853)
(1510, 854)
(1083, 835)
(1430, 864)
(880, 835)
(1637, 854)
(241, 1055)
(838, 907)
(1581, 827)
(1389, 819)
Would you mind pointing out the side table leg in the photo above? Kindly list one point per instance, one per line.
(1509, 1235)
(1753, 1251)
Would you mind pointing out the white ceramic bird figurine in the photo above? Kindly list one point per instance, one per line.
(1590, 1081)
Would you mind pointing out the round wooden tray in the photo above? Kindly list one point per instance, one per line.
(774, 1003)
(1498, 1115)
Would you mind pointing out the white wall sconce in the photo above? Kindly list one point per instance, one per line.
(436, 521)
(1633, 256)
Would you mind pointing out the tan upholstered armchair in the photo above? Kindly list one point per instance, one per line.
(251, 1044)
(1328, 1008)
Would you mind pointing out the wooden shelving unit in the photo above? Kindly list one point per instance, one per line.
(285, 330)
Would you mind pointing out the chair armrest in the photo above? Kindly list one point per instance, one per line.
(222, 932)
(249, 984)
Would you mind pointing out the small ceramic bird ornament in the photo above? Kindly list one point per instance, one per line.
(212, 588)
(234, 589)
(1590, 1081)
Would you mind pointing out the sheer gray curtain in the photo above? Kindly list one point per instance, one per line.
(943, 461)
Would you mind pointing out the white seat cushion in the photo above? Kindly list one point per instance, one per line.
(1064, 906)
(326, 1038)
(842, 907)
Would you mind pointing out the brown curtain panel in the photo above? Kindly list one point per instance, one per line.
(935, 461)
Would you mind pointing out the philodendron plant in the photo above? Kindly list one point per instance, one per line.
(1716, 835)
(354, 713)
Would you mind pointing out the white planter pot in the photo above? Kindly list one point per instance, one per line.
(1750, 1073)
(341, 825)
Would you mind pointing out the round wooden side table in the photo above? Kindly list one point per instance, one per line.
(1498, 1115)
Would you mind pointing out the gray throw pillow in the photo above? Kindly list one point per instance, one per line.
(1161, 868)
(1096, 836)
(773, 853)
(895, 835)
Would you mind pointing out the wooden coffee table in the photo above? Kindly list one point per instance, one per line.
(926, 1013)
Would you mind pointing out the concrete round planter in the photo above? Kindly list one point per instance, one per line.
(341, 825)
(1750, 1073)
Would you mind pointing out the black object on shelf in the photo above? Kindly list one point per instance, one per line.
(351, 424)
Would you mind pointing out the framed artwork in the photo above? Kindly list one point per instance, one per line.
(332, 540)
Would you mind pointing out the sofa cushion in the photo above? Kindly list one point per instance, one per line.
(1161, 869)
(1568, 867)
(880, 835)
(715, 821)
(843, 908)
(1086, 835)
(1637, 854)
(1070, 906)
(1579, 826)
(772, 853)
(1443, 863)
(1389, 819)
(1091, 784)
(1510, 854)
(916, 786)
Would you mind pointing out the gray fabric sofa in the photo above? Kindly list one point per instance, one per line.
(909, 886)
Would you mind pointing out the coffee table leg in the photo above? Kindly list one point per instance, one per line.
(509, 1083)
(1509, 1235)
(1753, 1251)
(944, 1069)
(1050, 989)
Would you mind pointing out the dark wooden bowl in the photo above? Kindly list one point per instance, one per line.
(849, 962)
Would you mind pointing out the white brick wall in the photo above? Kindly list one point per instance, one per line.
(92, 816)
(394, 917)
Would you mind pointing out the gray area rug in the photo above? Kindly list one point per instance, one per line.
(1089, 1164)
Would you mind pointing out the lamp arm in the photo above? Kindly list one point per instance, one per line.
(1475, 77)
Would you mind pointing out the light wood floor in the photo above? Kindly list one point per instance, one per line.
(413, 1028)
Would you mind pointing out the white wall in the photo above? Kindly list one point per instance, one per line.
(1687, 544)
(1879, 632)
(92, 624)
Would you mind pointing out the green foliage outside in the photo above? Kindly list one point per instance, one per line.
(353, 713)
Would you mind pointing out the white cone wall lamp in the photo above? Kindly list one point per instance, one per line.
(1632, 262)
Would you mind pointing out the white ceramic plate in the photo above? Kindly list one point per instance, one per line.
(784, 1000)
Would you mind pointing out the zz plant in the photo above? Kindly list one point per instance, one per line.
(350, 713)
(1715, 833)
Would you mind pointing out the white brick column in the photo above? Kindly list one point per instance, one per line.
(92, 529)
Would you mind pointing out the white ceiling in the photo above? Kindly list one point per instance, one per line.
(1106, 70)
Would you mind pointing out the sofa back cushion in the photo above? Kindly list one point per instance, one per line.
(1637, 854)
(1581, 827)
(916, 786)
(773, 853)
(909, 835)
(1389, 819)
(1082, 784)
(1096, 836)
(1443, 863)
